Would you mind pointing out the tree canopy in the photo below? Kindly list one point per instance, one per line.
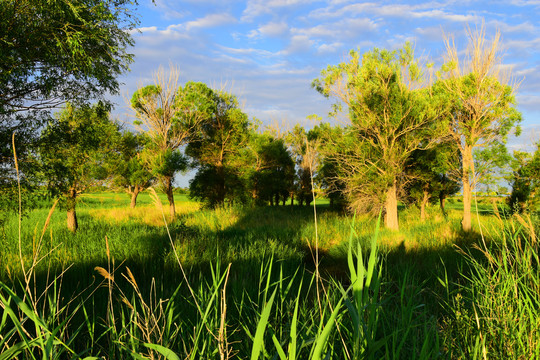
(480, 104)
(57, 51)
(73, 151)
(390, 117)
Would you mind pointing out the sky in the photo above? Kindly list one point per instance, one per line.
(268, 52)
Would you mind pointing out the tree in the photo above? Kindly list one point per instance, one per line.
(328, 174)
(72, 153)
(215, 146)
(390, 116)
(304, 146)
(480, 102)
(525, 180)
(427, 171)
(52, 52)
(272, 169)
(57, 51)
(168, 115)
(128, 166)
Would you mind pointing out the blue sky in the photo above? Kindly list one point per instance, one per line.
(268, 52)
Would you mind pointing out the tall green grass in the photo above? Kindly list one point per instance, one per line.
(227, 284)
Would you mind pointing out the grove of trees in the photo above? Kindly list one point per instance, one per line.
(411, 134)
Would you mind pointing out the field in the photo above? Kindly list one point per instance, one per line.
(267, 282)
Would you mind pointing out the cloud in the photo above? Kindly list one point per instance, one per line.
(330, 48)
(299, 43)
(256, 8)
(168, 9)
(273, 60)
(506, 28)
(525, 2)
(425, 10)
(270, 30)
(212, 20)
(274, 29)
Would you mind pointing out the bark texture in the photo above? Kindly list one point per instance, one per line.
(72, 223)
(134, 194)
(391, 215)
(468, 171)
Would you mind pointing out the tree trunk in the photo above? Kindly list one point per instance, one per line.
(391, 216)
(72, 223)
(170, 197)
(442, 200)
(425, 200)
(292, 199)
(468, 172)
(134, 195)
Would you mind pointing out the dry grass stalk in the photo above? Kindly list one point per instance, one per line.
(101, 271)
(225, 351)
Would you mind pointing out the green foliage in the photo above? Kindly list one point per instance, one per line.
(57, 51)
(52, 52)
(495, 311)
(389, 120)
(215, 144)
(392, 310)
(73, 148)
(430, 177)
(128, 165)
(525, 181)
(270, 169)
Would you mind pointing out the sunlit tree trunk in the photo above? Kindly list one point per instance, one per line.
(72, 223)
(134, 194)
(468, 172)
(391, 216)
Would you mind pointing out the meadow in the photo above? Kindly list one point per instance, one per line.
(267, 282)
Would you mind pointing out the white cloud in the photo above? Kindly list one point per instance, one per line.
(525, 2)
(299, 43)
(330, 48)
(212, 20)
(168, 9)
(274, 29)
(250, 51)
(256, 8)
(271, 29)
(507, 28)
(425, 10)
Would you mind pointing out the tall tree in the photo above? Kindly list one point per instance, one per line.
(128, 166)
(304, 148)
(57, 51)
(215, 146)
(73, 151)
(427, 173)
(272, 175)
(481, 104)
(168, 114)
(390, 116)
(525, 181)
(52, 52)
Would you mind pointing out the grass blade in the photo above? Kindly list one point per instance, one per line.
(258, 342)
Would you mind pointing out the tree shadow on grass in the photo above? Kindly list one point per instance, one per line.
(257, 235)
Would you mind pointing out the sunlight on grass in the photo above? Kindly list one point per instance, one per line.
(148, 215)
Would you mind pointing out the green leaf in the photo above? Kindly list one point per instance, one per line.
(258, 342)
(321, 341)
(167, 353)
